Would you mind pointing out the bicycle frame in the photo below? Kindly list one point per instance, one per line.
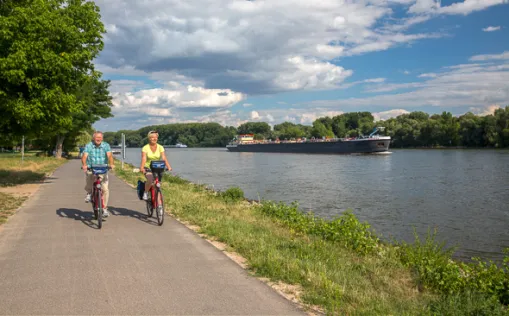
(97, 196)
(157, 185)
(156, 167)
(97, 191)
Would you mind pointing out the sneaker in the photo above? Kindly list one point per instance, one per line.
(145, 197)
(105, 212)
(88, 198)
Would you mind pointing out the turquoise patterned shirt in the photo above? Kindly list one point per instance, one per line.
(97, 154)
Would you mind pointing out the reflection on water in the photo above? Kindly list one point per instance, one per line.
(464, 193)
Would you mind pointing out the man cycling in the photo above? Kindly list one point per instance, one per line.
(97, 152)
(149, 152)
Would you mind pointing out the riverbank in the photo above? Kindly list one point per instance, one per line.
(338, 266)
(20, 179)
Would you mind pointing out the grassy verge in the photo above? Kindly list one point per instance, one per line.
(14, 173)
(33, 169)
(338, 265)
(8, 205)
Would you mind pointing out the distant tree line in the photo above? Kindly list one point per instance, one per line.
(191, 134)
(416, 129)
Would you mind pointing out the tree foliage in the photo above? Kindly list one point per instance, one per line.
(191, 134)
(46, 53)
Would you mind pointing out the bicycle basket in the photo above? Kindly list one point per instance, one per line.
(99, 169)
(157, 166)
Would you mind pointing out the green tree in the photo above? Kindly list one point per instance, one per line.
(46, 54)
(320, 130)
(257, 128)
(96, 103)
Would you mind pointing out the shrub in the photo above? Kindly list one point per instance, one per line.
(436, 270)
(345, 229)
(233, 194)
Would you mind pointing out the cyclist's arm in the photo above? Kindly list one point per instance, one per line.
(143, 161)
(84, 160)
(110, 159)
(163, 155)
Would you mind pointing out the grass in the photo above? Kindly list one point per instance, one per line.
(33, 169)
(8, 205)
(14, 172)
(337, 265)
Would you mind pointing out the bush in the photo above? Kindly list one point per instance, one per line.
(233, 194)
(345, 229)
(467, 303)
(436, 270)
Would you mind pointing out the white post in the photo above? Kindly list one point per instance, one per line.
(123, 150)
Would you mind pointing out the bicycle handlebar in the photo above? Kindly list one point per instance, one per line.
(109, 167)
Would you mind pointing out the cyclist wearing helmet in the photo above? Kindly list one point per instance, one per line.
(150, 152)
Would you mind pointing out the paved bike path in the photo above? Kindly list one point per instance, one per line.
(53, 260)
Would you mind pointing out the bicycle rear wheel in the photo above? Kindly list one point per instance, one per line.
(159, 207)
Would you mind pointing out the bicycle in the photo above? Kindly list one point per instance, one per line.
(97, 195)
(155, 200)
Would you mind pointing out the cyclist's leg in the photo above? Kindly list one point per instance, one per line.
(148, 184)
(150, 180)
(106, 191)
(89, 181)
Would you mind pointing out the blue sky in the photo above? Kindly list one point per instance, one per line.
(236, 61)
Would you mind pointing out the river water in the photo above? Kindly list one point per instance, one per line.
(462, 193)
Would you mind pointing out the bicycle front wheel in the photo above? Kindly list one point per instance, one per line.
(94, 204)
(99, 209)
(159, 207)
(150, 210)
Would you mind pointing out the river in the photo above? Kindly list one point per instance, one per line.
(462, 193)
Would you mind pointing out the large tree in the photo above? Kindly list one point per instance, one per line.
(46, 53)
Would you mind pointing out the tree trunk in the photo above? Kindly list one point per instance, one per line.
(58, 148)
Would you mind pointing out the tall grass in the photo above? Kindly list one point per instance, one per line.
(340, 265)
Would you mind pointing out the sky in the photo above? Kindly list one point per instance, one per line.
(234, 61)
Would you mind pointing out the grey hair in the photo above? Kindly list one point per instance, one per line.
(97, 132)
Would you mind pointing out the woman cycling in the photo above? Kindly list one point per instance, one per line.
(150, 152)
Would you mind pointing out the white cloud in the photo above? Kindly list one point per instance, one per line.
(469, 6)
(124, 86)
(256, 46)
(385, 115)
(374, 80)
(424, 6)
(427, 75)
(486, 110)
(465, 85)
(255, 115)
(502, 56)
(465, 7)
(310, 74)
(247, 105)
(163, 102)
(491, 28)
(197, 49)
